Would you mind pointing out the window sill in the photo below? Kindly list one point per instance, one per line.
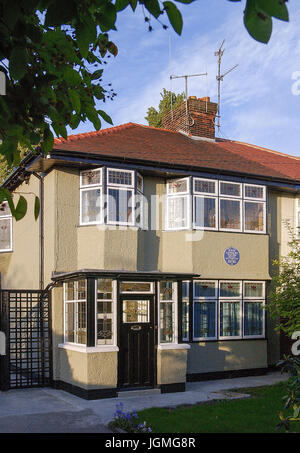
(162, 347)
(89, 350)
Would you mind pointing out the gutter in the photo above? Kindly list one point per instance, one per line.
(41, 230)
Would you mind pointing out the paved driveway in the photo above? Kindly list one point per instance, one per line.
(55, 411)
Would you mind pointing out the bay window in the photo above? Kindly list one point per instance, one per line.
(105, 311)
(5, 228)
(230, 214)
(230, 319)
(120, 194)
(205, 310)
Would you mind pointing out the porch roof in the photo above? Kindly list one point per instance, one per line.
(123, 274)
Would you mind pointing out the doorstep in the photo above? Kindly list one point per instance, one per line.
(138, 392)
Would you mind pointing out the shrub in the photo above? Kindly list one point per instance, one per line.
(291, 412)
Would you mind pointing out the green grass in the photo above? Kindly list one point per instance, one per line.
(257, 414)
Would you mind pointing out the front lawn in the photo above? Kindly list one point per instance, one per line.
(257, 414)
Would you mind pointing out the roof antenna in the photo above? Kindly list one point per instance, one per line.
(170, 65)
(220, 78)
(185, 77)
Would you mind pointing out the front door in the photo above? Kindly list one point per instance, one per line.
(136, 356)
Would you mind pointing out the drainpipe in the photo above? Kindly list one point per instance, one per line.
(41, 229)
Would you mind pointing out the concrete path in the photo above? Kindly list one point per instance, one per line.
(55, 411)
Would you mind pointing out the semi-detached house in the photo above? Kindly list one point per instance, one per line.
(151, 260)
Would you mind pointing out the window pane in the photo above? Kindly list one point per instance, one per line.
(254, 192)
(81, 290)
(104, 288)
(5, 234)
(204, 186)
(70, 323)
(139, 183)
(91, 205)
(185, 290)
(136, 287)
(166, 290)
(253, 318)
(166, 322)
(4, 209)
(205, 289)
(185, 320)
(81, 322)
(253, 289)
(230, 189)
(178, 186)
(254, 216)
(177, 212)
(104, 322)
(230, 319)
(90, 177)
(136, 311)
(70, 291)
(120, 177)
(230, 214)
(205, 212)
(205, 319)
(230, 289)
(120, 205)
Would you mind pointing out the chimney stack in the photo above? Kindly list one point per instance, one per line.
(200, 122)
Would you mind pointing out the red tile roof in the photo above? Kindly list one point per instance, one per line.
(162, 146)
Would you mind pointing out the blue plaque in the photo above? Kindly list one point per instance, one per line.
(231, 256)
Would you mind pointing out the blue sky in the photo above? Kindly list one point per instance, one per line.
(258, 105)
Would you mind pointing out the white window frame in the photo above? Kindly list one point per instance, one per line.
(217, 213)
(174, 301)
(187, 192)
(263, 302)
(85, 189)
(8, 217)
(119, 170)
(188, 212)
(114, 315)
(231, 297)
(138, 292)
(297, 223)
(206, 297)
(74, 302)
(140, 197)
(209, 194)
(239, 199)
(229, 301)
(254, 282)
(206, 300)
(116, 222)
(82, 186)
(252, 200)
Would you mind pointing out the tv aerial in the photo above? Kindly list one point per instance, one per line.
(220, 78)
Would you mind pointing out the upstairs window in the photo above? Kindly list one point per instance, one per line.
(205, 204)
(120, 195)
(5, 228)
(91, 197)
(178, 204)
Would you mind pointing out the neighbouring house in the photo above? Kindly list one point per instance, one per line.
(151, 260)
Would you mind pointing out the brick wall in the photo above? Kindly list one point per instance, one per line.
(200, 121)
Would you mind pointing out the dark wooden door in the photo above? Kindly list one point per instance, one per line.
(136, 345)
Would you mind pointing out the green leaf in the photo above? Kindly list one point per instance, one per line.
(121, 4)
(191, 1)
(258, 24)
(48, 141)
(71, 76)
(36, 208)
(97, 74)
(105, 116)
(174, 16)
(108, 16)
(93, 117)
(75, 100)
(21, 208)
(275, 8)
(18, 63)
(7, 196)
(59, 13)
(153, 7)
